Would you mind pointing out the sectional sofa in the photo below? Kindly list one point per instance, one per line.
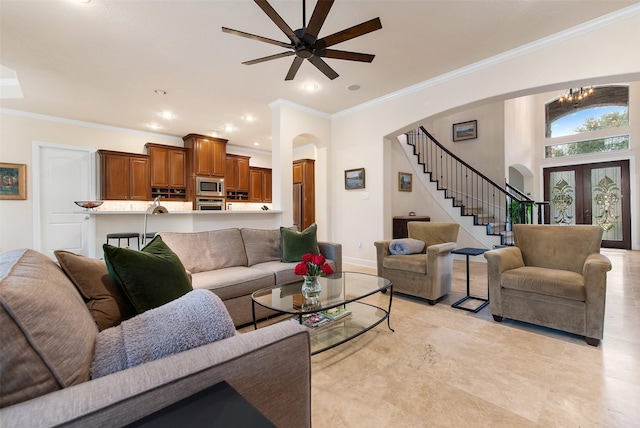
(233, 263)
(48, 339)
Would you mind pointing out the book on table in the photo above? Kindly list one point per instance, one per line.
(314, 321)
(337, 313)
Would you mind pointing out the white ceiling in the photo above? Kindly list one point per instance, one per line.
(102, 61)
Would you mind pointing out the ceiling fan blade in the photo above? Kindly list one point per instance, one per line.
(323, 66)
(295, 65)
(254, 37)
(277, 19)
(319, 15)
(268, 58)
(352, 32)
(350, 56)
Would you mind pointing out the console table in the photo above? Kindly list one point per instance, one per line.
(458, 305)
(400, 224)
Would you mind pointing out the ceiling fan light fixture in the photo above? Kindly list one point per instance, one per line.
(304, 44)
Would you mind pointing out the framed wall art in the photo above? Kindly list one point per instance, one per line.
(13, 181)
(354, 179)
(404, 181)
(465, 130)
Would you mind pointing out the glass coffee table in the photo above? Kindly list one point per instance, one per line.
(340, 292)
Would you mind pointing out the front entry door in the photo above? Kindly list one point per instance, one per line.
(596, 193)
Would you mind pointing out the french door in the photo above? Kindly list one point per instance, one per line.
(596, 193)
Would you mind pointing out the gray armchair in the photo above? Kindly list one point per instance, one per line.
(426, 275)
(554, 276)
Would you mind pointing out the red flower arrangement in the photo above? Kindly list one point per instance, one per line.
(313, 265)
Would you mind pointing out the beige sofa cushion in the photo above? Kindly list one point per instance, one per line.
(552, 282)
(47, 333)
(411, 262)
(557, 246)
(205, 251)
(261, 245)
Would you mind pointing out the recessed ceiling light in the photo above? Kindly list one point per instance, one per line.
(255, 143)
(160, 92)
(353, 87)
(81, 1)
(215, 133)
(154, 126)
(310, 87)
(167, 115)
(228, 128)
(249, 118)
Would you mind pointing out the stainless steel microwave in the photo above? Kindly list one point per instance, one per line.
(209, 186)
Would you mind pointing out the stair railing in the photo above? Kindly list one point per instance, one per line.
(469, 189)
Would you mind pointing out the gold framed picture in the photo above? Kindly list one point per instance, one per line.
(404, 181)
(354, 179)
(13, 181)
(465, 130)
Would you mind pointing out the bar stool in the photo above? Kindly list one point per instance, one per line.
(148, 236)
(124, 235)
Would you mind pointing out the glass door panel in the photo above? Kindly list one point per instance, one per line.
(596, 193)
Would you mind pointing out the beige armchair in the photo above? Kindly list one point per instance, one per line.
(426, 275)
(555, 277)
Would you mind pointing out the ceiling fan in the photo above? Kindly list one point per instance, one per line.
(304, 42)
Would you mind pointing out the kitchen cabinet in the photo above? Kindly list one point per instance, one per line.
(124, 176)
(304, 192)
(168, 170)
(237, 177)
(260, 180)
(207, 155)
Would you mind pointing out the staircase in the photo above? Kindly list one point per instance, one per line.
(492, 207)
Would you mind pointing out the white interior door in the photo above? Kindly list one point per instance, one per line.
(66, 174)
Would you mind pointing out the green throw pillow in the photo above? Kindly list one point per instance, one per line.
(296, 244)
(150, 277)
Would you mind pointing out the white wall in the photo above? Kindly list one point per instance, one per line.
(18, 131)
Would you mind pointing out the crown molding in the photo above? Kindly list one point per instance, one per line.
(303, 109)
(594, 24)
(88, 124)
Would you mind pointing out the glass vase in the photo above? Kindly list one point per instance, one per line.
(311, 287)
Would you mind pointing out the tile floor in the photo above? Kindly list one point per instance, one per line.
(452, 368)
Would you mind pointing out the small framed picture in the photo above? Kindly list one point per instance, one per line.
(404, 181)
(465, 130)
(354, 179)
(13, 181)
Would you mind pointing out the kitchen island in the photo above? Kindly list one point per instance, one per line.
(104, 222)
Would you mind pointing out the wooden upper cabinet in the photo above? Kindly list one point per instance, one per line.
(298, 173)
(168, 166)
(139, 189)
(231, 174)
(159, 161)
(255, 185)
(267, 185)
(208, 155)
(124, 176)
(260, 184)
(243, 174)
(177, 168)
